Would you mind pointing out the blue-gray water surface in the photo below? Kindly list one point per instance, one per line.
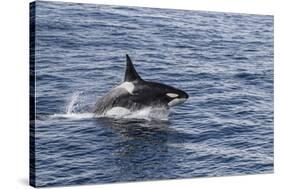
(223, 60)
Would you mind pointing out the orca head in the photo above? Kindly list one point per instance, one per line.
(176, 96)
(167, 95)
(146, 92)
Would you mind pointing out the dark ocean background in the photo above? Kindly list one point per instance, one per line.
(223, 60)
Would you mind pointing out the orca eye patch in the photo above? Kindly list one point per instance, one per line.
(172, 95)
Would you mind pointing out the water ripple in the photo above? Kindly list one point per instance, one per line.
(223, 60)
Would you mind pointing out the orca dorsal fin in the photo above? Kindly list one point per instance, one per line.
(130, 73)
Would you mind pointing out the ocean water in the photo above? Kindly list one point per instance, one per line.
(223, 61)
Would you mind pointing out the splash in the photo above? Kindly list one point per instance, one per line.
(72, 105)
(75, 108)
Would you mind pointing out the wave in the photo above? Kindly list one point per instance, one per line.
(75, 116)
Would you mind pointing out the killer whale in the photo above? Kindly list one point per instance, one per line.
(134, 93)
